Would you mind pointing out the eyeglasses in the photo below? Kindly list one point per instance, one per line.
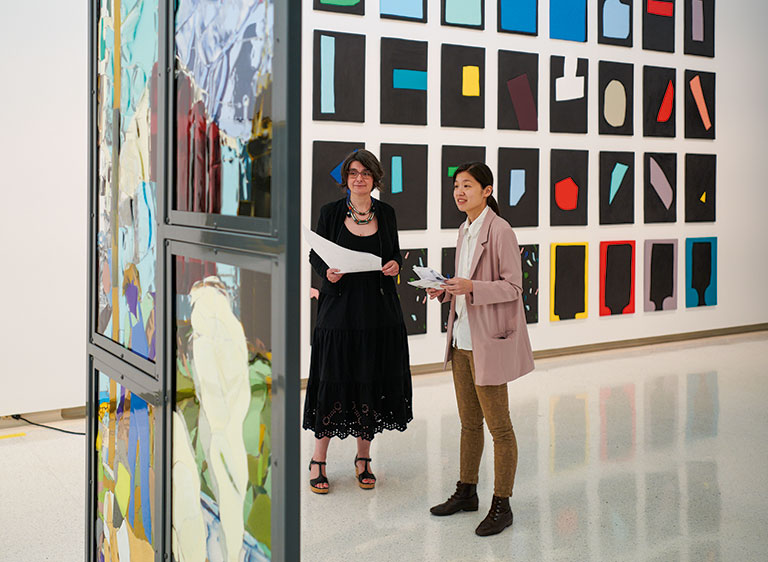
(365, 173)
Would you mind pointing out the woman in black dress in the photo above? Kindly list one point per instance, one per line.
(359, 377)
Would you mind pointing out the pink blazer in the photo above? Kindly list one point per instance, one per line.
(500, 344)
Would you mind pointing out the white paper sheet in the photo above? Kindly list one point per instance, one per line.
(428, 278)
(343, 259)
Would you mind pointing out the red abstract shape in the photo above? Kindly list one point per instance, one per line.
(214, 170)
(659, 8)
(197, 155)
(183, 106)
(189, 271)
(665, 111)
(566, 194)
(607, 302)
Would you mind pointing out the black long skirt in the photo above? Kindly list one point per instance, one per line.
(359, 379)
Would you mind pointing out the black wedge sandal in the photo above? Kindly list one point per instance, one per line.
(320, 479)
(364, 475)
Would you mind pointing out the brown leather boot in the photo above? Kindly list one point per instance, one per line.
(463, 499)
(499, 518)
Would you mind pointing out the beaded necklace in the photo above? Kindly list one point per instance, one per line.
(353, 213)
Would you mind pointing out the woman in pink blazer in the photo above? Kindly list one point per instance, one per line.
(487, 343)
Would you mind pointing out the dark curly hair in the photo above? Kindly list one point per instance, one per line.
(368, 160)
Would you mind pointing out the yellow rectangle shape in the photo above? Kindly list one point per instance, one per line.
(470, 83)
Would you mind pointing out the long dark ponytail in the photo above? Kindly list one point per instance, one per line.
(483, 174)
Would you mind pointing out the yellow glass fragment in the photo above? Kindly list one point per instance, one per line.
(123, 488)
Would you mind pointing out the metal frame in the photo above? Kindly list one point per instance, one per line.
(230, 239)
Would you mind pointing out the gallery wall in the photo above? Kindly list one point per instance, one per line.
(347, 55)
(43, 213)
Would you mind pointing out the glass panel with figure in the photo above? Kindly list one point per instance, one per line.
(221, 476)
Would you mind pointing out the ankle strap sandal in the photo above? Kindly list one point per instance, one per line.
(321, 479)
(364, 474)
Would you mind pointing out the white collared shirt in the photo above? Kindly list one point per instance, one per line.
(462, 338)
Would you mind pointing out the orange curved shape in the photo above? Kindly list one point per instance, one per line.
(566, 194)
(698, 95)
(665, 110)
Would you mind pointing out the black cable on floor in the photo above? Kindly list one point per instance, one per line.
(18, 417)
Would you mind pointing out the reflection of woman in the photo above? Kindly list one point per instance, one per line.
(487, 343)
(359, 378)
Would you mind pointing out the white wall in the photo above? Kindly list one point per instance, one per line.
(43, 224)
(44, 185)
(741, 56)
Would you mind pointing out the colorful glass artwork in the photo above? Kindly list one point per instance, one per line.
(222, 430)
(125, 475)
(127, 172)
(224, 107)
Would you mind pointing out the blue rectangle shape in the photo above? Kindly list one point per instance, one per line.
(516, 186)
(405, 79)
(518, 15)
(568, 20)
(402, 8)
(327, 74)
(397, 174)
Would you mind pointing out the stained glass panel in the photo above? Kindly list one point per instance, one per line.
(127, 172)
(125, 475)
(222, 481)
(224, 107)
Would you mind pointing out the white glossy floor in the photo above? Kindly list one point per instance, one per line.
(654, 454)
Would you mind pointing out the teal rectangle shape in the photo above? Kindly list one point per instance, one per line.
(463, 12)
(327, 74)
(404, 79)
(397, 174)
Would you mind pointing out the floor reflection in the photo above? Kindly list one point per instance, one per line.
(702, 406)
(618, 512)
(662, 506)
(620, 459)
(661, 411)
(569, 435)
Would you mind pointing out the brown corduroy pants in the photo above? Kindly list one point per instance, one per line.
(475, 403)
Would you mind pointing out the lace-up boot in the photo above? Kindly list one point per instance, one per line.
(499, 518)
(463, 499)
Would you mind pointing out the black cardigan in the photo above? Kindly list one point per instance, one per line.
(329, 225)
